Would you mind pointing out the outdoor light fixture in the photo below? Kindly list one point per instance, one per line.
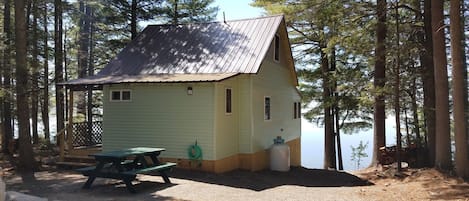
(189, 91)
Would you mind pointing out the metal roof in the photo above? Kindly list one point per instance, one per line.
(216, 48)
(161, 78)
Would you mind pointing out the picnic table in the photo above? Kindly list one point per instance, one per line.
(125, 164)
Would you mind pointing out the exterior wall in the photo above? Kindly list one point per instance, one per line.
(246, 161)
(272, 81)
(226, 125)
(245, 113)
(163, 115)
(155, 116)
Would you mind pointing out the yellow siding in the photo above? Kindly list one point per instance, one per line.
(226, 125)
(273, 80)
(245, 114)
(161, 115)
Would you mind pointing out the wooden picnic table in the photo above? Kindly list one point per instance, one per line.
(125, 164)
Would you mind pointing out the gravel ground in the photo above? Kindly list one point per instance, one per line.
(298, 184)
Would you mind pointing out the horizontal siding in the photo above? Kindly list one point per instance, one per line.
(245, 122)
(273, 80)
(227, 125)
(160, 116)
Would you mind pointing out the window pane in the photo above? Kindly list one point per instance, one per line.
(277, 48)
(125, 95)
(294, 111)
(267, 108)
(228, 101)
(115, 95)
(299, 110)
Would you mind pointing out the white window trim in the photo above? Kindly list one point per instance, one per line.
(270, 108)
(275, 43)
(120, 92)
(226, 90)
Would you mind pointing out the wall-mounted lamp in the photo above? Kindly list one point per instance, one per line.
(189, 91)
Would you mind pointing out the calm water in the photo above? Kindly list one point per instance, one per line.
(312, 145)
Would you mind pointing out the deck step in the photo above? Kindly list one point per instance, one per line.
(73, 164)
(81, 157)
(78, 158)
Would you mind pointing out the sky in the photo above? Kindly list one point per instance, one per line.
(237, 9)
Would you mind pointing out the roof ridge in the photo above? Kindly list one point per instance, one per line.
(220, 22)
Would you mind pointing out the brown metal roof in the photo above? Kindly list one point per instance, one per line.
(189, 52)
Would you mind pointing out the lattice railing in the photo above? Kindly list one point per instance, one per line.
(82, 136)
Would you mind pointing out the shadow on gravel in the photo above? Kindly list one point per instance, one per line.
(67, 185)
(266, 179)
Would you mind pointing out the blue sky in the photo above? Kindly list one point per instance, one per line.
(236, 9)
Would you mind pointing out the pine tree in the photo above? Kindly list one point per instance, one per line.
(188, 11)
(459, 73)
(7, 71)
(59, 68)
(379, 131)
(443, 150)
(26, 157)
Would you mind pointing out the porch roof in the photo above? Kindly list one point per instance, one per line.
(158, 78)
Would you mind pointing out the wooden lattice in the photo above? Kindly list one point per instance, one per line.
(82, 136)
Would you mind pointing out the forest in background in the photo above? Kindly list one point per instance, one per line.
(362, 61)
(47, 42)
(358, 61)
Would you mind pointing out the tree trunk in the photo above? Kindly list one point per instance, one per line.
(45, 96)
(443, 150)
(26, 158)
(329, 144)
(58, 52)
(7, 119)
(429, 85)
(418, 141)
(89, 15)
(379, 131)
(133, 20)
(459, 90)
(397, 107)
(175, 15)
(82, 56)
(35, 74)
(406, 120)
(336, 110)
(337, 132)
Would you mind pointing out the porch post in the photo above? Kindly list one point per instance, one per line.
(70, 121)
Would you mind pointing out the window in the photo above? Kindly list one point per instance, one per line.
(121, 95)
(266, 108)
(277, 48)
(126, 95)
(115, 95)
(228, 108)
(299, 110)
(296, 110)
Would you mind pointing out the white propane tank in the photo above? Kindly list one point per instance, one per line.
(280, 155)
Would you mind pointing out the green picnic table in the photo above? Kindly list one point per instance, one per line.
(125, 164)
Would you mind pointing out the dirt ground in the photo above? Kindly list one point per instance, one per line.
(298, 184)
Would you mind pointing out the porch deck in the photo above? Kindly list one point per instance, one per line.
(79, 140)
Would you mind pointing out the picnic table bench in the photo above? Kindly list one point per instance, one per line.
(116, 165)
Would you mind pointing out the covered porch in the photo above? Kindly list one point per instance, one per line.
(77, 140)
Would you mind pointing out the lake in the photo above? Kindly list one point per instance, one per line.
(312, 145)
